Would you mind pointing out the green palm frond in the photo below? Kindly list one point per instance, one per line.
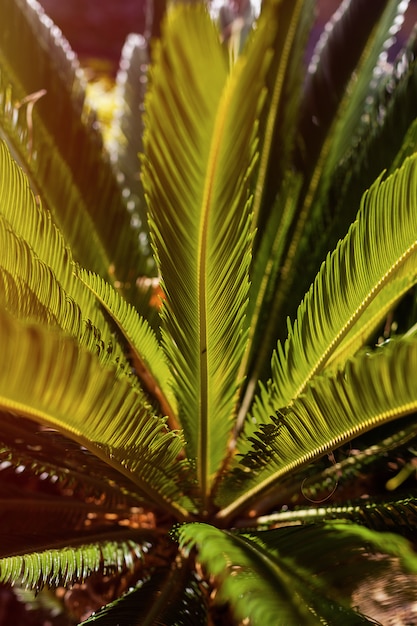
(372, 389)
(376, 252)
(399, 516)
(194, 175)
(21, 265)
(333, 103)
(146, 354)
(273, 186)
(354, 99)
(48, 378)
(379, 140)
(332, 476)
(127, 129)
(279, 117)
(50, 148)
(59, 567)
(268, 584)
(51, 457)
(40, 270)
(167, 597)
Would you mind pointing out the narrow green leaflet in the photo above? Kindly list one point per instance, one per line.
(372, 389)
(47, 377)
(265, 585)
(195, 175)
(379, 247)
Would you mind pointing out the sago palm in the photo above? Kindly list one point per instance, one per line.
(171, 446)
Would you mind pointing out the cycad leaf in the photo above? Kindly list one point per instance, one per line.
(146, 354)
(40, 270)
(267, 586)
(51, 457)
(399, 516)
(275, 187)
(48, 378)
(334, 102)
(384, 131)
(364, 559)
(55, 567)
(127, 127)
(279, 116)
(169, 597)
(200, 148)
(58, 143)
(378, 248)
(371, 390)
(338, 83)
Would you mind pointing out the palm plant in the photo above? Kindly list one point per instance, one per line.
(169, 442)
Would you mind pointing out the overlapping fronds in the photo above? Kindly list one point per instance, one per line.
(38, 269)
(375, 254)
(146, 354)
(51, 457)
(372, 389)
(47, 377)
(60, 147)
(333, 104)
(167, 597)
(195, 176)
(260, 577)
(279, 117)
(275, 188)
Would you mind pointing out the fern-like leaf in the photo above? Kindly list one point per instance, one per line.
(258, 580)
(61, 566)
(195, 176)
(377, 252)
(370, 390)
(48, 378)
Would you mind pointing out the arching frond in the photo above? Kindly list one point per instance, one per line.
(55, 567)
(371, 390)
(195, 176)
(280, 114)
(334, 100)
(35, 254)
(265, 582)
(52, 458)
(48, 378)
(372, 260)
(399, 516)
(60, 147)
